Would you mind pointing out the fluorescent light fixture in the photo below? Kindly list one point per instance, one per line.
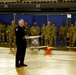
(68, 15)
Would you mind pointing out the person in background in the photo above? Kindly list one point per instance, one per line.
(3, 32)
(0, 32)
(71, 32)
(54, 33)
(43, 34)
(27, 26)
(48, 36)
(63, 32)
(35, 31)
(7, 33)
(68, 37)
(74, 35)
(12, 35)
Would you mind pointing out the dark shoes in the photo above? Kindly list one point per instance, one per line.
(18, 66)
(21, 65)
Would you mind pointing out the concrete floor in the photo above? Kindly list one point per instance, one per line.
(58, 63)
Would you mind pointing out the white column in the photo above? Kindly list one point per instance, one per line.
(14, 17)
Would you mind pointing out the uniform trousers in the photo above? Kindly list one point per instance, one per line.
(21, 50)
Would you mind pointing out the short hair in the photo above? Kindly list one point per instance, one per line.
(34, 22)
(48, 22)
(20, 21)
(12, 21)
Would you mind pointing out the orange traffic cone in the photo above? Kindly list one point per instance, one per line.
(48, 51)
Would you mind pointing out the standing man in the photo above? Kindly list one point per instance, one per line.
(27, 26)
(7, 33)
(21, 43)
(48, 32)
(54, 33)
(71, 33)
(35, 31)
(0, 32)
(3, 32)
(62, 32)
(12, 35)
(43, 28)
(74, 35)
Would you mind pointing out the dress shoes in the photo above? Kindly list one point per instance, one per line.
(18, 66)
(23, 65)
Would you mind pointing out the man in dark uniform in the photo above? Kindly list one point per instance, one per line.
(21, 43)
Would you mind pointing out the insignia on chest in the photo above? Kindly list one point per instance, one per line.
(16, 29)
